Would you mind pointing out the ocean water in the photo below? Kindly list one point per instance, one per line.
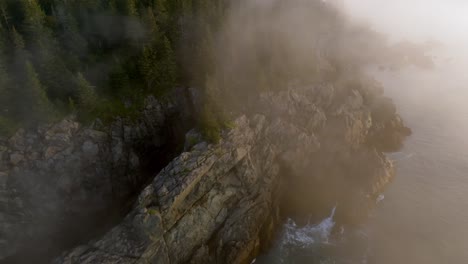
(422, 217)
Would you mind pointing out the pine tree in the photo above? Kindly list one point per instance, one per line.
(151, 24)
(34, 18)
(5, 84)
(49, 41)
(17, 39)
(130, 8)
(36, 107)
(124, 7)
(4, 88)
(160, 10)
(46, 52)
(87, 98)
(4, 16)
(28, 104)
(158, 66)
(70, 37)
(168, 66)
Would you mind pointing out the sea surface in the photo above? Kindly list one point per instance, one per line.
(422, 217)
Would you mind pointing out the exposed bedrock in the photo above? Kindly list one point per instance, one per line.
(299, 152)
(63, 184)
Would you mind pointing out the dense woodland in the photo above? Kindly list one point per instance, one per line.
(102, 58)
(98, 58)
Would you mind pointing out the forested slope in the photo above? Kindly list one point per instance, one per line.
(98, 58)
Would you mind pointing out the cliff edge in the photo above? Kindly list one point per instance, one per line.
(220, 203)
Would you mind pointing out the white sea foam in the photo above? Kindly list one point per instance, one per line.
(380, 198)
(400, 156)
(306, 235)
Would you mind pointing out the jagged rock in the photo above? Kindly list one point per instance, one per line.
(301, 149)
(90, 149)
(193, 197)
(16, 158)
(48, 153)
(192, 138)
(220, 203)
(3, 179)
(62, 181)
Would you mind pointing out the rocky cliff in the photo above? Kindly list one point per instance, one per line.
(151, 190)
(64, 183)
(300, 151)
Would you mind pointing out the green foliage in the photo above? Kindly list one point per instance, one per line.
(213, 118)
(34, 16)
(5, 90)
(158, 67)
(99, 58)
(86, 93)
(209, 125)
(37, 107)
(109, 109)
(7, 126)
(17, 39)
(87, 98)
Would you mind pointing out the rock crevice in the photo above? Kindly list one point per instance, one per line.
(297, 153)
(65, 183)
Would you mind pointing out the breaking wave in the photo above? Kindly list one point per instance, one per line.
(304, 236)
(324, 242)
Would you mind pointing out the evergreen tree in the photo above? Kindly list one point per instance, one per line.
(87, 98)
(17, 39)
(5, 84)
(160, 10)
(48, 43)
(158, 66)
(4, 16)
(70, 37)
(130, 7)
(167, 66)
(151, 24)
(34, 18)
(35, 107)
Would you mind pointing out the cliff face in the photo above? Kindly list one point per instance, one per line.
(64, 183)
(293, 151)
(300, 151)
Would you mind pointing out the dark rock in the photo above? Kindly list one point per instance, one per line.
(63, 183)
(221, 203)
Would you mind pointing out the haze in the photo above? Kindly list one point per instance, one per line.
(422, 219)
(442, 21)
(445, 20)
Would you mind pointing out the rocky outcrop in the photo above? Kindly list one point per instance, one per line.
(65, 183)
(208, 204)
(303, 150)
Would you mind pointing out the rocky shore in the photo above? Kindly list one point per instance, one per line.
(299, 152)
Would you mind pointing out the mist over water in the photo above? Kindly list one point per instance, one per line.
(422, 218)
